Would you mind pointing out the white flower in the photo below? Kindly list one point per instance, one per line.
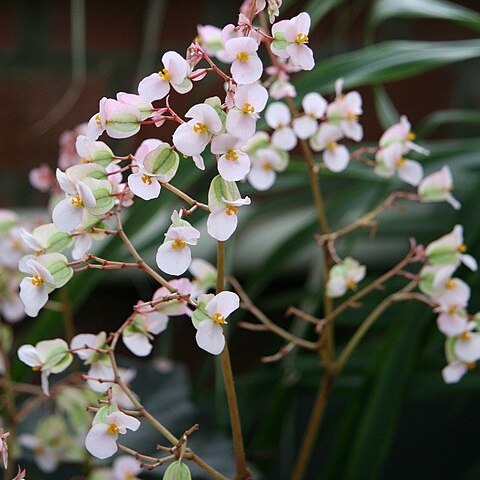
(401, 133)
(174, 255)
(88, 346)
(314, 107)
(192, 137)
(233, 163)
(335, 156)
(390, 160)
(246, 66)
(344, 276)
(454, 371)
(209, 318)
(344, 112)
(450, 250)
(223, 200)
(175, 73)
(265, 163)
(34, 289)
(437, 187)
(290, 39)
(126, 468)
(278, 117)
(101, 440)
(451, 300)
(249, 101)
(204, 276)
(48, 356)
(467, 347)
(159, 165)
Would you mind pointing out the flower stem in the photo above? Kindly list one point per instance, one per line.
(243, 473)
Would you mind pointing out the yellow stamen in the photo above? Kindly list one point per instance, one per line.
(113, 429)
(331, 146)
(179, 244)
(200, 128)
(38, 253)
(351, 284)
(411, 136)
(37, 280)
(165, 74)
(242, 57)
(400, 162)
(232, 155)
(97, 120)
(466, 336)
(146, 179)
(451, 284)
(231, 210)
(219, 318)
(267, 166)
(77, 201)
(301, 38)
(16, 244)
(36, 368)
(351, 116)
(452, 310)
(248, 108)
(462, 248)
(471, 365)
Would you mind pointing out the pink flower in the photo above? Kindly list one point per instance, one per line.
(246, 66)
(42, 178)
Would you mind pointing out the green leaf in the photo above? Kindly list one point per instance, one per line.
(318, 9)
(456, 117)
(437, 9)
(385, 62)
(386, 112)
(177, 471)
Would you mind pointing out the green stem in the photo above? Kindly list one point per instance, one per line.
(243, 473)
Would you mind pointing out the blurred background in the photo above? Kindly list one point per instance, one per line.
(391, 416)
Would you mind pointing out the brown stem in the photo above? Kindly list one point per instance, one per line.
(242, 471)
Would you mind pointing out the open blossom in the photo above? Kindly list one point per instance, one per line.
(42, 178)
(246, 66)
(51, 443)
(452, 300)
(249, 101)
(12, 247)
(45, 273)
(467, 345)
(210, 317)
(344, 112)
(210, 39)
(192, 137)
(233, 163)
(150, 321)
(437, 187)
(223, 200)
(278, 117)
(174, 255)
(93, 151)
(450, 250)
(290, 39)
(314, 108)
(390, 160)
(159, 165)
(101, 440)
(175, 74)
(344, 276)
(336, 157)
(48, 356)
(265, 163)
(204, 276)
(126, 468)
(90, 348)
(401, 133)
(86, 188)
(119, 120)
